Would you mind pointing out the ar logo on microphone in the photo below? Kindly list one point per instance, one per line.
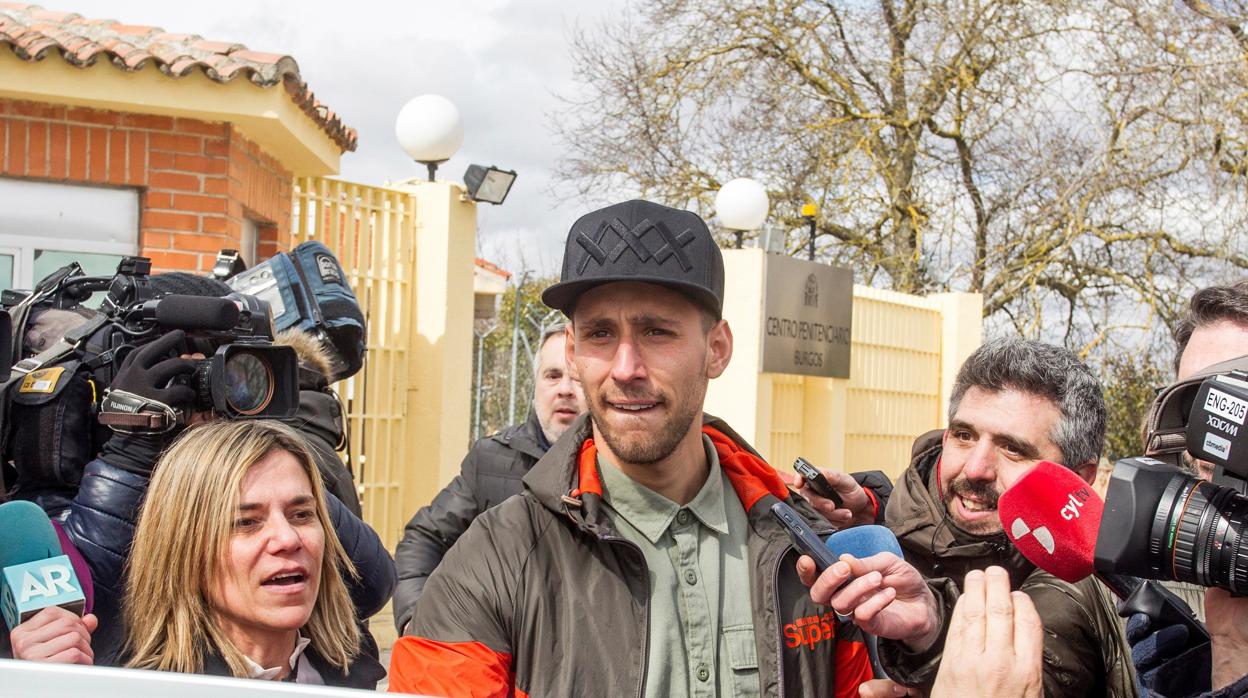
(1019, 529)
(54, 577)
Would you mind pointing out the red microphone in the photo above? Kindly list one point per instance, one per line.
(1052, 516)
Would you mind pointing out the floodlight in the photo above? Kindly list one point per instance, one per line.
(488, 184)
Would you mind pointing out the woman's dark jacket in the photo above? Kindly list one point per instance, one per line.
(363, 672)
(101, 524)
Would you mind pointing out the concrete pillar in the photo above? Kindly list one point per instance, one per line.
(823, 423)
(961, 333)
(742, 395)
(440, 368)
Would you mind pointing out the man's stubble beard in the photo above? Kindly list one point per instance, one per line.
(647, 448)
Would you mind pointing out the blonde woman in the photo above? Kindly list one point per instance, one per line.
(234, 569)
(101, 519)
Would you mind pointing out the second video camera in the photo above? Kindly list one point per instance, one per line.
(1161, 522)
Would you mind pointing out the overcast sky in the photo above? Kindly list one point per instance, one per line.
(500, 61)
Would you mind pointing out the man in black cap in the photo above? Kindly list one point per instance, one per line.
(642, 556)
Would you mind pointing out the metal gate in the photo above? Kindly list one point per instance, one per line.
(372, 230)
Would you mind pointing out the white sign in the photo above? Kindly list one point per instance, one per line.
(1230, 407)
(1218, 446)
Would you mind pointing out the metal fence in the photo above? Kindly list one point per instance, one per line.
(372, 230)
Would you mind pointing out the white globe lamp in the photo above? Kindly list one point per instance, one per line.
(742, 205)
(430, 130)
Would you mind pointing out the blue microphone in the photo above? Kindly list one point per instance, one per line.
(860, 542)
(863, 541)
(34, 574)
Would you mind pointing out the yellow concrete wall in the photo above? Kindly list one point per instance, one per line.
(905, 353)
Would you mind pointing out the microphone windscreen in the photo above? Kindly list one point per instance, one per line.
(196, 313)
(863, 541)
(34, 574)
(26, 534)
(1052, 516)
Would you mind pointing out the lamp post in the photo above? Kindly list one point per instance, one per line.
(430, 130)
(808, 215)
(742, 205)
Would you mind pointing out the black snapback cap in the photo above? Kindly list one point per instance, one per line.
(640, 241)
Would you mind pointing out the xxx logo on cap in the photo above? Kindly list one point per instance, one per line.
(633, 239)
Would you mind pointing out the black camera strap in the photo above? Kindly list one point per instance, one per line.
(43, 290)
(68, 344)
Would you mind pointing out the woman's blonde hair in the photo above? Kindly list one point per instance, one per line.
(181, 543)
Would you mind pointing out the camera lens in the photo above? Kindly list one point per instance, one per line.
(248, 383)
(1202, 534)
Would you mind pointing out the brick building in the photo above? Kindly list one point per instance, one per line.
(119, 139)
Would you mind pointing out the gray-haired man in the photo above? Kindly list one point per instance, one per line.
(1015, 403)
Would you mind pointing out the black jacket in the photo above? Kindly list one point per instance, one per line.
(490, 473)
(101, 524)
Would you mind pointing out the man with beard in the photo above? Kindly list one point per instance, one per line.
(490, 473)
(1014, 404)
(641, 558)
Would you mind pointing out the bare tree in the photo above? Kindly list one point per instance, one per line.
(1077, 163)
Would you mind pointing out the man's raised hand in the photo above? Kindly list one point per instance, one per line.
(995, 642)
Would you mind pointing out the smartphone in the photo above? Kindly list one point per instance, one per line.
(806, 540)
(816, 481)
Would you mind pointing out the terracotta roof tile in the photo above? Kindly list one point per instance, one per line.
(32, 32)
(492, 267)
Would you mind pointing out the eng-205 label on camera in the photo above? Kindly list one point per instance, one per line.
(1227, 406)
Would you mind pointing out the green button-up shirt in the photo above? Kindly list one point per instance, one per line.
(701, 625)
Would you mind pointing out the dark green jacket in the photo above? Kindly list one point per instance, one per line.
(542, 597)
(1085, 647)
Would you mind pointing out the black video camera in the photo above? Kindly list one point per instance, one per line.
(67, 355)
(1161, 522)
(245, 375)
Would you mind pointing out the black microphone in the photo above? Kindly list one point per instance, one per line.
(192, 313)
